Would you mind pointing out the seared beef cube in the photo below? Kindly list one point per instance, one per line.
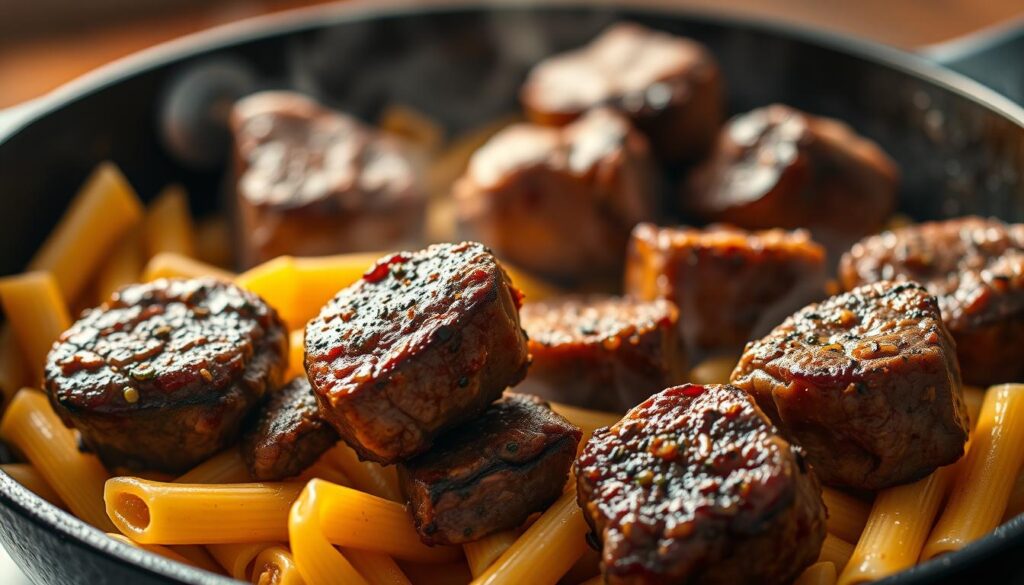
(975, 268)
(696, 486)
(560, 201)
(867, 382)
(491, 473)
(669, 86)
(162, 375)
(730, 285)
(602, 352)
(777, 167)
(311, 181)
(289, 435)
(423, 342)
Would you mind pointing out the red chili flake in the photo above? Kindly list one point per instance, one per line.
(378, 271)
(692, 391)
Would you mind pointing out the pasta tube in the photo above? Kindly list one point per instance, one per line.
(376, 568)
(31, 425)
(168, 224)
(237, 557)
(482, 553)
(122, 268)
(847, 515)
(37, 314)
(823, 573)
(296, 353)
(982, 489)
(366, 476)
(154, 512)
(153, 548)
(168, 265)
(224, 467)
(13, 374)
(275, 566)
(318, 562)
(27, 476)
(198, 556)
(836, 551)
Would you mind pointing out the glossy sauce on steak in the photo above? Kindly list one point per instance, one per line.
(866, 382)
(602, 352)
(423, 342)
(491, 473)
(161, 375)
(695, 485)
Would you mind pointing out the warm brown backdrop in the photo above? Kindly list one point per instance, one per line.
(35, 60)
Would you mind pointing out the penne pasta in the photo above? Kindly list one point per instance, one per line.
(153, 548)
(895, 533)
(546, 551)
(37, 314)
(481, 554)
(296, 353)
(104, 210)
(981, 492)
(13, 373)
(122, 268)
(168, 224)
(275, 566)
(168, 265)
(27, 476)
(822, 573)
(973, 398)
(35, 430)
(847, 515)
(836, 551)
(327, 472)
(366, 476)
(224, 467)
(716, 370)
(199, 557)
(153, 512)
(238, 558)
(276, 282)
(376, 568)
(317, 560)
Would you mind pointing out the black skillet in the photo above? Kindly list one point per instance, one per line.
(959, 144)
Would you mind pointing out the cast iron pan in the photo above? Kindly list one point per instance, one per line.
(960, 147)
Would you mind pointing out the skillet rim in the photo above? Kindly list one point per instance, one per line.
(19, 500)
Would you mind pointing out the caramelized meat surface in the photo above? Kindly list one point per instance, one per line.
(491, 473)
(975, 269)
(289, 435)
(867, 382)
(423, 342)
(780, 167)
(669, 86)
(602, 352)
(729, 285)
(161, 375)
(311, 181)
(560, 201)
(695, 485)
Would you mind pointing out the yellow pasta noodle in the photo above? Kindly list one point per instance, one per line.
(153, 548)
(836, 551)
(224, 467)
(323, 469)
(973, 398)
(376, 568)
(27, 476)
(13, 373)
(102, 212)
(168, 224)
(847, 515)
(122, 268)
(317, 560)
(154, 512)
(275, 566)
(823, 573)
(981, 492)
(37, 314)
(276, 281)
(198, 556)
(899, 522)
(237, 558)
(168, 265)
(296, 353)
(547, 549)
(31, 425)
(366, 476)
(716, 370)
(482, 553)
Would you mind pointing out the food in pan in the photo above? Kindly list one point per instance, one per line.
(603, 352)
(669, 86)
(975, 268)
(528, 183)
(312, 181)
(347, 418)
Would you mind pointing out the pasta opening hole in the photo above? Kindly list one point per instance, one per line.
(268, 575)
(134, 511)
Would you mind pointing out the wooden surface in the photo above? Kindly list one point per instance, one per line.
(32, 64)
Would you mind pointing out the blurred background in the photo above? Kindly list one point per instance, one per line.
(44, 43)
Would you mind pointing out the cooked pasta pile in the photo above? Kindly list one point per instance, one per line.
(343, 520)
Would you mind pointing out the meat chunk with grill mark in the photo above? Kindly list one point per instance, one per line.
(162, 375)
(975, 269)
(695, 485)
(491, 473)
(422, 342)
(602, 352)
(867, 382)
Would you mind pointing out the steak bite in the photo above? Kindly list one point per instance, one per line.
(423, 342)
(491, 473)
(289, 435)
(730, 285)
(867, 382)
(311, 181)
(779, 167)
(975, 269)
(560, 201)
(602, 352)
(669, 86)
(162, 375)
(695, 485)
